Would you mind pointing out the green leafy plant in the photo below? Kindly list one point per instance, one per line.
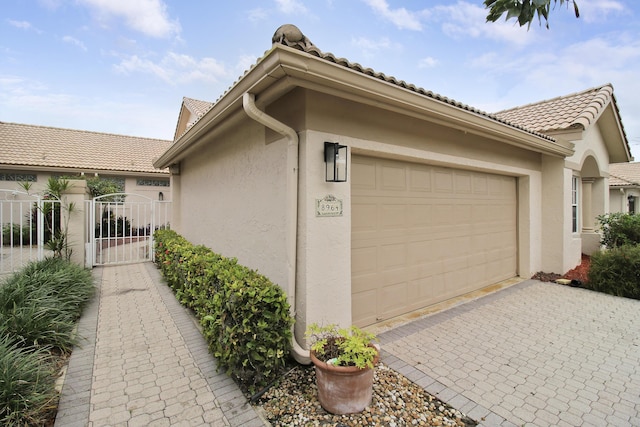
(619, 229)
(99, 186)
(244, 316)
(342, 346)
(57, 229)
(16, 235)
(616, 271)
(27, 392)
(39, 305)
(113, 227)
(525, 11)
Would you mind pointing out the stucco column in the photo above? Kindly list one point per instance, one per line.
(587, 205)
(176, 197)
(556, 183)
(73, 215)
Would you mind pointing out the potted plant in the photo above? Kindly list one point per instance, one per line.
(344, 359)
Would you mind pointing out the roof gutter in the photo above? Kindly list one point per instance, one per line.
(248, 104)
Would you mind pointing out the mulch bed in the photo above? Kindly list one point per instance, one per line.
(577, 275)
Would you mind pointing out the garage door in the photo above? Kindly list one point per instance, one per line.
(423, 234)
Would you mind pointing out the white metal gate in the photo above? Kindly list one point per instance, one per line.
(26, 221)
(121, 227)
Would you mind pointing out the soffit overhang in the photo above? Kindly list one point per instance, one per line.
(283, 68)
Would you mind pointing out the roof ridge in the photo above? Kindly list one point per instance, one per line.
(625, 180)
(627, 172)
(289, 36)
(592, 111)
(557, 98)
(84, 131)
(191, 104)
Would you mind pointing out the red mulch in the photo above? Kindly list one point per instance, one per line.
(577, 274)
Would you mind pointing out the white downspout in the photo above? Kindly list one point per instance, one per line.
(248, 103)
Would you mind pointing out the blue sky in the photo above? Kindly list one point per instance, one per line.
(123, 66)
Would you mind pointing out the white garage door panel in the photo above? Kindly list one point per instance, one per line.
(423, 234)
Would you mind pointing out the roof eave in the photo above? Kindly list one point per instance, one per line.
(322, 75)
(305, 70)
(80, 169)
(618, 147)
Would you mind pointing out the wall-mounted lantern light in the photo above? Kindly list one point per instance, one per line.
(335, 158)
(160, 196)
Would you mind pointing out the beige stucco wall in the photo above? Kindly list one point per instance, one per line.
(324, 244)
(590, 162)
(131, 186)
(230, 196)
(230, 193)
(618, 199)
(149, 191)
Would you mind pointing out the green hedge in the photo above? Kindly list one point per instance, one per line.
(616, 271)
(245, 317)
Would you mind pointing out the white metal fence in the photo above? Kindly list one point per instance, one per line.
(28, 222)
(120, 227)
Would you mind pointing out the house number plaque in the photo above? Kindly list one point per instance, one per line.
(328, 206)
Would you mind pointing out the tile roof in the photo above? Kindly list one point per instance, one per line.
(197, 107)
(624, 174)
(564, 112)
(190, 112)
(306, 46)
(41, 146)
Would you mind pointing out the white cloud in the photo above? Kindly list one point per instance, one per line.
(401, 18)
(257, 14)
(244, 63)
(291, 7)
(594, 11)
(75, 42)
(575, 67)
(149, 17)
(135, 64)
(371, 47)
(464, 19)
(21, 97)
(23, 25)
(20, 93)
(428, 62)
(50, 4)
(175, 68)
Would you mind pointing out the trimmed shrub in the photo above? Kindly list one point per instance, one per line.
(619, 229)
(616, 271)
(245, 317)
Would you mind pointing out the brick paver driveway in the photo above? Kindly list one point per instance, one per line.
(532, 354)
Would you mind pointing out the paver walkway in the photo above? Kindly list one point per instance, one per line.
(536, 354)
(149, 366)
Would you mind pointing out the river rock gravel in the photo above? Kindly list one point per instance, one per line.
(396, 402)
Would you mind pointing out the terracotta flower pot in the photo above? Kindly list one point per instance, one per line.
(343, 389)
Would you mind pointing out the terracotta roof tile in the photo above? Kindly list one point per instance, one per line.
(42, 146)
(624, 174)
(197, 107)
(565, 112)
